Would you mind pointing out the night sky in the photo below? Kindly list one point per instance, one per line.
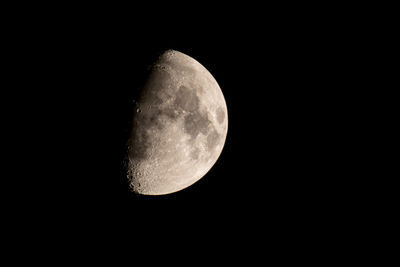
(277, 176)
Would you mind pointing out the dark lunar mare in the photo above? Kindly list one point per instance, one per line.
(187, 99)
(220, 115)
(212, 139)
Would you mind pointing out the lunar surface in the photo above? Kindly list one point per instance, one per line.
(179, 126)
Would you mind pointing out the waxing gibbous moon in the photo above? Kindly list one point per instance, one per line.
(179, 126)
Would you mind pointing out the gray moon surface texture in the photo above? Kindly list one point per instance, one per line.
(179, 126)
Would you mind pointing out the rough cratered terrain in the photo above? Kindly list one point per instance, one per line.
(179, 127)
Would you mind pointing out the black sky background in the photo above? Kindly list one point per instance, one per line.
(281, 173)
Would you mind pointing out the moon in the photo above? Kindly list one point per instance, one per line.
(179, 126)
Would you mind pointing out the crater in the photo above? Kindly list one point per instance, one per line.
(220, 115)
